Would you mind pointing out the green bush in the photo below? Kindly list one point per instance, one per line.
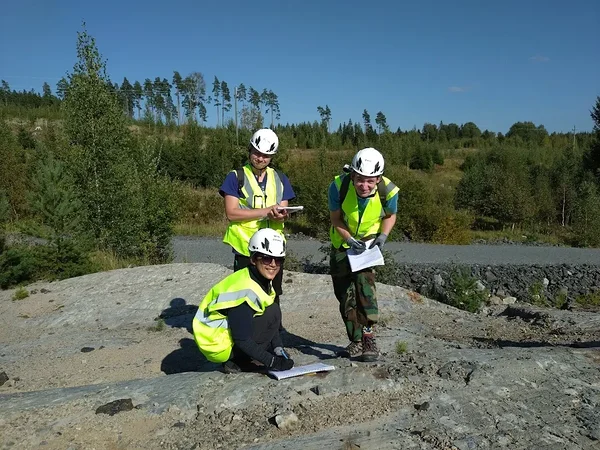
(590, 299)
(18, 265)
(24, 264)
(463, 293)
(536, 294)
(401, 347)
(20, 293)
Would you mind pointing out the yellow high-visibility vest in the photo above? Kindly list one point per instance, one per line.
(210, 326)
(238, 233)
(370, 222)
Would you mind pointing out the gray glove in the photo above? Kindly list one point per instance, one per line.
(357, 246)
(279, 351)
(379, 241)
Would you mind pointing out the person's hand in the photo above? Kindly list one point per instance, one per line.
(357, 246)
(281, 363)
(275, 213)
(379, 241)
(279, 351)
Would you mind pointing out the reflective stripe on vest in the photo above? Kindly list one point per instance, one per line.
(210, 326)
(227, 300)
(238, 234)
(370, 222)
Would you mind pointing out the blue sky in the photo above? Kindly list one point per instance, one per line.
(425, 61)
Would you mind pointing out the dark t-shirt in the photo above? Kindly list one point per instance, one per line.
(230, 186)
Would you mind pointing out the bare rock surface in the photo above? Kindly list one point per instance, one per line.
(515, 377)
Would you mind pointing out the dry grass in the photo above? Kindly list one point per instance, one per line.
(105, 261)
(212, 229)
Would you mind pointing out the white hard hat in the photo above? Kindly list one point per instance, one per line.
(368, 162)
(265, 141)
(268, 242)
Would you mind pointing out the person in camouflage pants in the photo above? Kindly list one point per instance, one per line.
(362, 207)
(355, 293)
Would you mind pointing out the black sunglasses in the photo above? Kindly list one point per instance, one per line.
(267, 259)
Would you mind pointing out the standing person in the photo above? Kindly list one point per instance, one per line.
(238, 320)
(253, 195)
(362, 206)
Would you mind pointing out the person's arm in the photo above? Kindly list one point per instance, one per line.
(335, 212)
(288, 194)
(240, 324)
(387, 223)
(236, 214)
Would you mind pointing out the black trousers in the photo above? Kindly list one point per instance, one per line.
(241, 262)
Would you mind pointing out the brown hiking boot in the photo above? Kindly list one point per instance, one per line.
(352, 350)
(370, 352)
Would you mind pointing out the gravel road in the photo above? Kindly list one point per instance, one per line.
(195, 249)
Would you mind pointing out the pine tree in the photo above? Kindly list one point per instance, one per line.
(225, 100)
(216, 91)
(381, 122)
(128, 95)
(178, 83)
(47, 97)
(54, 201)
(138, 94)
(241, 94)
(148, 90)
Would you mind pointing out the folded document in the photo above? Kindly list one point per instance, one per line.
(301, 370)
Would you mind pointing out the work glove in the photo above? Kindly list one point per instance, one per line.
(281, 363)
(379, 241)
(357, 246)
(279, 351)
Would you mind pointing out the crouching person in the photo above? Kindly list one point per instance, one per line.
(238, 320)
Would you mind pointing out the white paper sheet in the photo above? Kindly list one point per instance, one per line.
(301, 370)
(368, 258)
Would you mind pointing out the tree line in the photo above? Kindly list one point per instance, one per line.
(176, 101)
(184, 99)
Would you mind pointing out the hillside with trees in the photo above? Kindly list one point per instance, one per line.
(106, 172)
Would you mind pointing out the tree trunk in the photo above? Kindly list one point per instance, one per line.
(563, 204)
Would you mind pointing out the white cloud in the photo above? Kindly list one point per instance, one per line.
(539, 59)
(457, 89)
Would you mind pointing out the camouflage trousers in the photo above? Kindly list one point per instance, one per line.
(356, 293)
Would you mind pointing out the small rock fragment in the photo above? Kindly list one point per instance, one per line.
(495, 300)
(317, 390)
(3, 378)
(422, 406)
(87, 349)
(114, 407)
(509, 300)
(286, 421)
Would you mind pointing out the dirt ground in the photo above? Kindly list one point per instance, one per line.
(42, 358)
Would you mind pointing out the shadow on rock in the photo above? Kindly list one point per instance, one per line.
(187, 359)
(500, 343)
(179, 314)
(309, 347)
